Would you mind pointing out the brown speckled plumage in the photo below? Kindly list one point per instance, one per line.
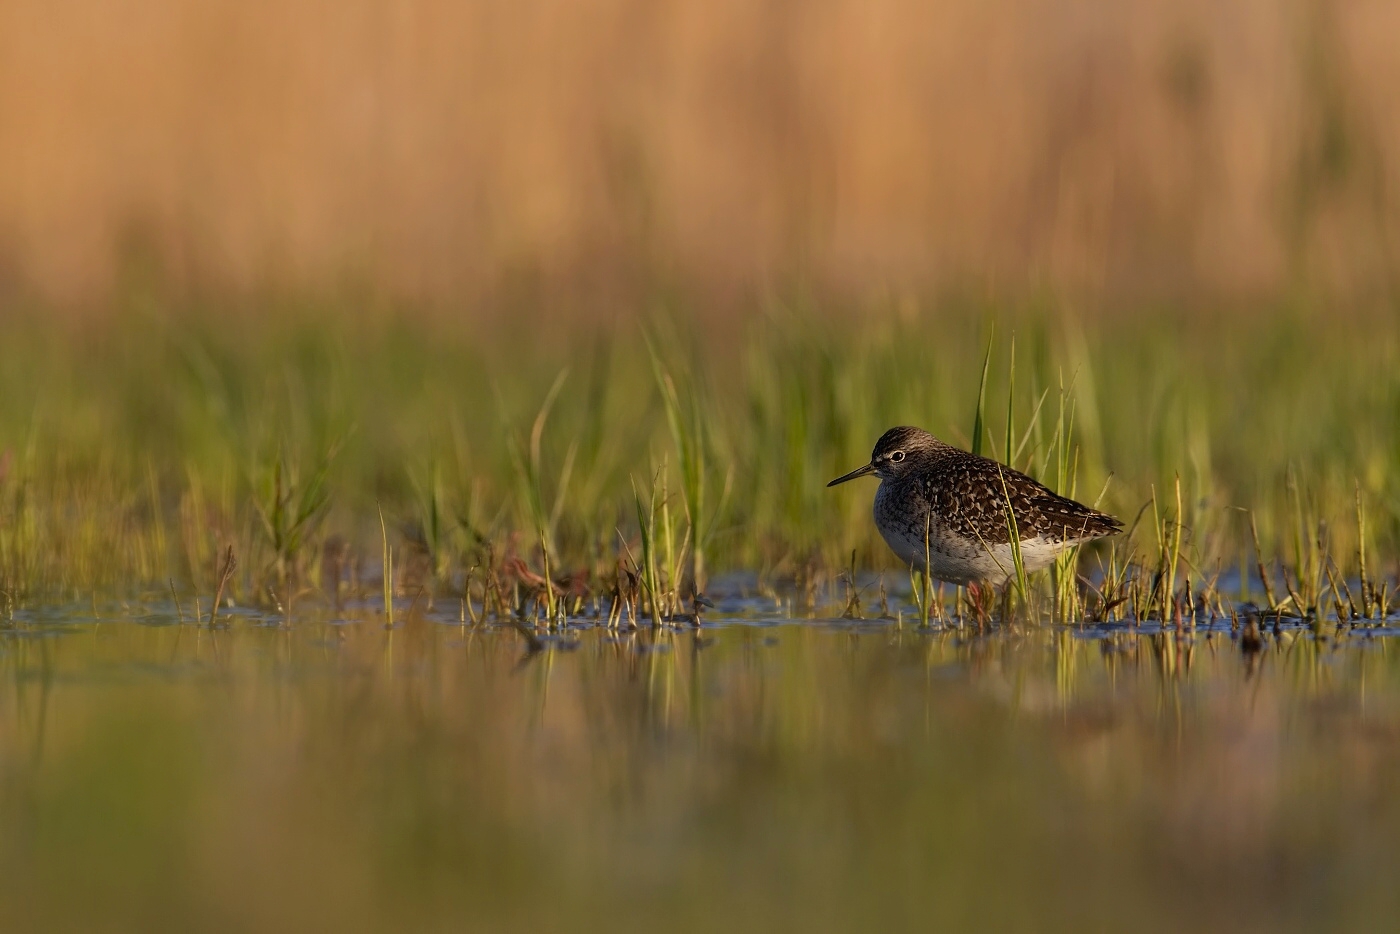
(938, 501)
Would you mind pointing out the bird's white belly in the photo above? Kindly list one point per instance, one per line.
(960, 562)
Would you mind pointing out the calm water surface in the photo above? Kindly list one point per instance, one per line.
(762, 773)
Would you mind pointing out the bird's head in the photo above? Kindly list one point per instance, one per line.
(898, 451)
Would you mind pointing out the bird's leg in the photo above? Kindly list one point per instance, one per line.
(979, 608)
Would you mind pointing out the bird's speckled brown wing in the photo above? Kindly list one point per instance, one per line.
(970, 495)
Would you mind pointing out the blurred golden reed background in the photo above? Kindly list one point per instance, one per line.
(441, 151)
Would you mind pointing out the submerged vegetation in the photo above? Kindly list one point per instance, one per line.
(612, 469)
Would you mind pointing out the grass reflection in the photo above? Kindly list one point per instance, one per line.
(826, 775)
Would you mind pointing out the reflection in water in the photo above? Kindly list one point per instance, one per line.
(826, 774)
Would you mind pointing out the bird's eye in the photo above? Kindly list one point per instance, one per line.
(897, 456)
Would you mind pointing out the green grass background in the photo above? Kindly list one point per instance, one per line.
(136, 447)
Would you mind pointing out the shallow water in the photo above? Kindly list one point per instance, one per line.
(759, 773)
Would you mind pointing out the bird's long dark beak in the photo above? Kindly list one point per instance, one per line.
(858, 472)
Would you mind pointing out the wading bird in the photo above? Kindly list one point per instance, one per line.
(952, 514)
